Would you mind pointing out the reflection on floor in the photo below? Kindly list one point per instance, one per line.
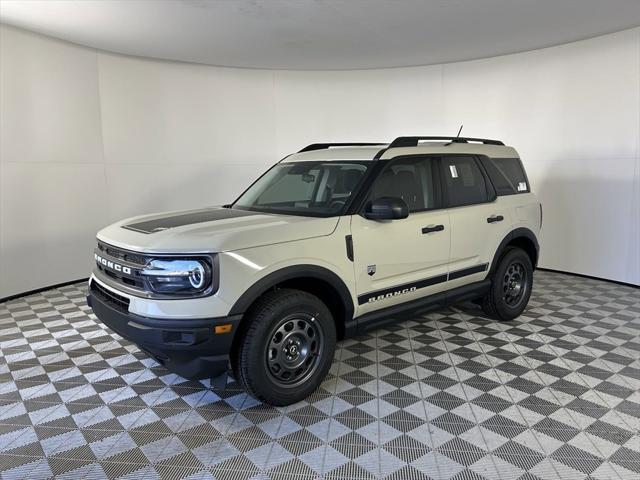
(553, 394)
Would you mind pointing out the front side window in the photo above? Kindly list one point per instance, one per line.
(411, 179)
(320, 189)
(465, 183)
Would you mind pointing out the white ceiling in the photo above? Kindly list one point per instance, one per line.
(320, 34)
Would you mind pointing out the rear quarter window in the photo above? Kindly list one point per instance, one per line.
(507, 175)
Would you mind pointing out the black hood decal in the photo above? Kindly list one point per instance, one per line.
(200, 216)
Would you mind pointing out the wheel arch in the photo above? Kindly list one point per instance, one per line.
(318, 281)
(522, 238)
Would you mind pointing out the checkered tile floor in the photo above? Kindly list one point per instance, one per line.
(451, 395)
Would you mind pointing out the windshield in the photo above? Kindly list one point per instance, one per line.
(320, 189)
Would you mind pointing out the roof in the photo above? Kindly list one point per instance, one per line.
(428, 148)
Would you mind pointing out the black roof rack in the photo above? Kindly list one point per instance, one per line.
(322, 146)
(413, 141)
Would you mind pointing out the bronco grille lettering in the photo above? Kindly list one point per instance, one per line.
(112, 265)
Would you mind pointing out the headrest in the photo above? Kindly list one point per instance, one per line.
(406, 179)
(350, 179)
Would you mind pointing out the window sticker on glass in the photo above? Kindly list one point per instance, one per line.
(522, 186)
(454, 171)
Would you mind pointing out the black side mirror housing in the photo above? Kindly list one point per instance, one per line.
(386, 208)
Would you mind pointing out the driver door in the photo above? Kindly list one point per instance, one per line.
(396, 261)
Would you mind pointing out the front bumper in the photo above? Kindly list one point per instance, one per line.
(188, 347)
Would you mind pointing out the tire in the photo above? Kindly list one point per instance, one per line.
(511, 285)
(286, 349)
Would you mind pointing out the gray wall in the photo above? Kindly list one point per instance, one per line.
(87, 138)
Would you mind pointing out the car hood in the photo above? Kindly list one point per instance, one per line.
(212, 229)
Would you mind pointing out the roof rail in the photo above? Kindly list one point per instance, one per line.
(322, 146)
(413, 141)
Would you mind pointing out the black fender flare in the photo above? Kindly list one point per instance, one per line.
(517, 233)
(290, 273)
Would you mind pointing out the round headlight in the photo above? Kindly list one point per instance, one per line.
(197, 276)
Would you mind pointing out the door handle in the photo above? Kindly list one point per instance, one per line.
(495, 218)
(433, 228)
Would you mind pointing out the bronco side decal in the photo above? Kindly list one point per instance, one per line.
(400, 290)
(412, 287)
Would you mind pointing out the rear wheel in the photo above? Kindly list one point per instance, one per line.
(287, 348)
(511, 286)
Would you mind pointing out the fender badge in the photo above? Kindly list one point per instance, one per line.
(371, 270)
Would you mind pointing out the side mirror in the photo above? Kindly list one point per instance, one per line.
(386, 208)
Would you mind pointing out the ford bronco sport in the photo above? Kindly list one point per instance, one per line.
(331, 241)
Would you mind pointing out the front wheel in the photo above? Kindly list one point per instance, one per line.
(287, 348)
(511, 286)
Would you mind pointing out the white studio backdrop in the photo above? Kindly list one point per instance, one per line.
(87, 138)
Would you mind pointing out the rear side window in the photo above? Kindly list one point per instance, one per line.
(465, 183)
(507, 175)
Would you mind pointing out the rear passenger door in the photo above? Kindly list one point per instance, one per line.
(479, 219)
(396, 261)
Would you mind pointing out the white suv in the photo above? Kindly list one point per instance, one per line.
(331, 241)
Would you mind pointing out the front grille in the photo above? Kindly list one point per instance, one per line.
(117, 253)
(118, 302)
(121, 278)
(132, 259)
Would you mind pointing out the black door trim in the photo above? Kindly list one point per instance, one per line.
(468, 271)
(427, 282)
